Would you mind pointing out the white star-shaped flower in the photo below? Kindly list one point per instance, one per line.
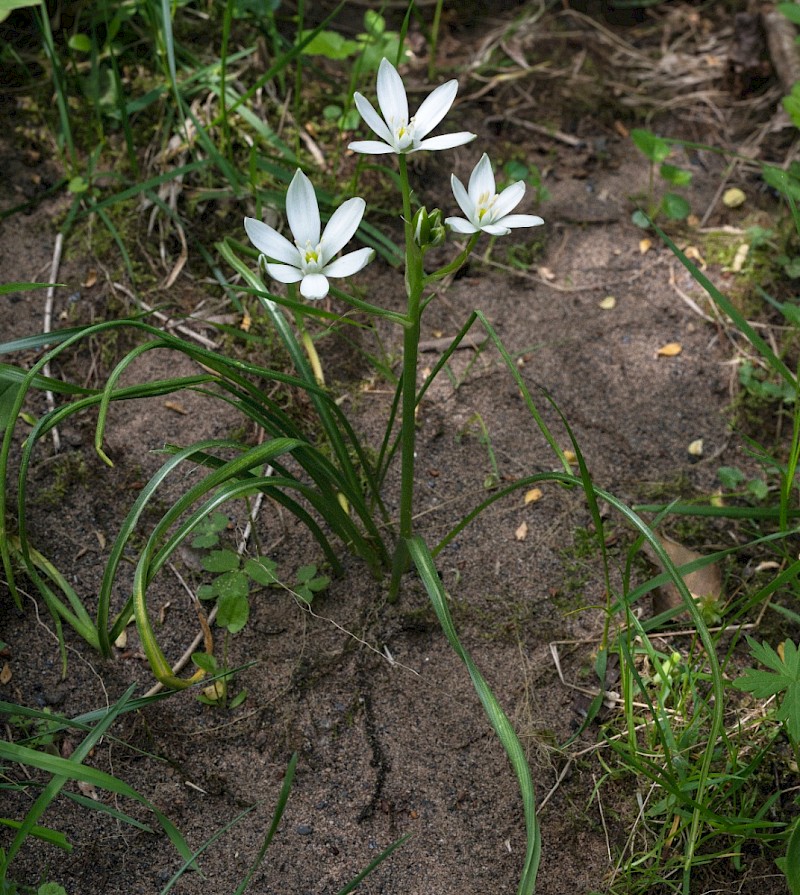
(398, 133)
(487, 210)
(308, 261)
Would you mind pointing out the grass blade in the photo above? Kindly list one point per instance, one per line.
(423, 560)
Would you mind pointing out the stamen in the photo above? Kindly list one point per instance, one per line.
(311, 257)
(404, 135)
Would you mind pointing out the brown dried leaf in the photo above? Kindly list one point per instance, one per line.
(88, 790)
(522, 531)
(91, 278)
(704, 584)
(533, 495)
(694, 253)
(671, 349)
(176, 407)
(5, 674)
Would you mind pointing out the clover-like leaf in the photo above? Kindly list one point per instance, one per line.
(262, 570)
(205, 661)
(231, 584)
(221, 561)
(305, 594)
(676, 208)
(306, 573)
(233, 612)
(783, 678)
(207, 532)
(655, 148)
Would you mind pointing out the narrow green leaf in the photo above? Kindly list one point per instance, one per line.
(8, 6)
(497, 718)
(791, 865)
(53, 837)
(7, 288)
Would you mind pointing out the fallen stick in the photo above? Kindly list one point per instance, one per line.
(781, 35)
(47, 327)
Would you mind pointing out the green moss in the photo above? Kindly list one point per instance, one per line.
(579, 566)
(68, 469)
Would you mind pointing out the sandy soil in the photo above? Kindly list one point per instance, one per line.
(389, 748)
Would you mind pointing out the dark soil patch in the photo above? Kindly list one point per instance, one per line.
(391, 737)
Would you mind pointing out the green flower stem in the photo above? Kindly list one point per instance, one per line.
(415, 278)
(455, 264)
(415, 281)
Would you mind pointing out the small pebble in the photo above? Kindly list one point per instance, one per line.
(304, 830)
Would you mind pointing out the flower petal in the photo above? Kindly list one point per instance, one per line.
(520, 220)
(302, 210)
(270, 242)
(372, 119)
(314, 286)
(481, 181)
(349, 264)
(370, 147)
(462, 197)
(446, 141)
(341, 227)
(284, 273)
(459, 225)
(510, 197)
(435, 107)
(392, 97)
(495, 229)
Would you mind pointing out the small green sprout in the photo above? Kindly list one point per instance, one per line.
(309, 583)
(673, 206)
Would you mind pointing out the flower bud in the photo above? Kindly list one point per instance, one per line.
(429, 229)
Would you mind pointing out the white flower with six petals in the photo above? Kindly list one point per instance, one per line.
(485, 208)
(308, 261)
(399, 133)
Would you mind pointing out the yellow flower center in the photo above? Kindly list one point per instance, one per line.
(311, 257)
(485, 205)
(404, 135)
